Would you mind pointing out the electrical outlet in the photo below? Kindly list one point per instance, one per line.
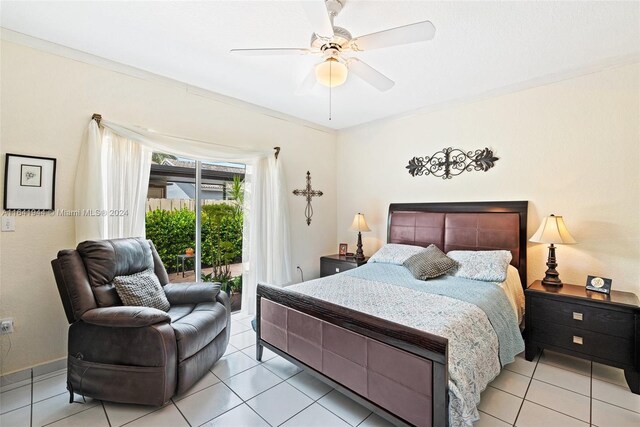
(8, 223)
(6, 326)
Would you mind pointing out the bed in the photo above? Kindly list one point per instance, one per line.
(415, 354)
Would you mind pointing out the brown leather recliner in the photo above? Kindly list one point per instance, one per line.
(136, 354)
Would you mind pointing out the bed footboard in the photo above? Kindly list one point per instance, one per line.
(396, 371)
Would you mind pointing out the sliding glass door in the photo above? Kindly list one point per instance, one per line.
(194, 217)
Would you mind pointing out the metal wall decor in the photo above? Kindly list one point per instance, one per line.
(450, 162)
(309, 193)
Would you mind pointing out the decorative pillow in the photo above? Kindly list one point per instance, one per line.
(393, 253)
(429, 263)
(488, 266)
(141, 289)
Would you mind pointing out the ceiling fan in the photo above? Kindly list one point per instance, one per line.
(332, 43)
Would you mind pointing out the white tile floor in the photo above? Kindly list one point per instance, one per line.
(555, 390)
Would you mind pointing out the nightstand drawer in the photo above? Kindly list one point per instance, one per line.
(587, 342)
(327, 268)
(581, 316)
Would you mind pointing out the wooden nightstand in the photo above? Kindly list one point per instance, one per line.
(332, 264)
(590, 325)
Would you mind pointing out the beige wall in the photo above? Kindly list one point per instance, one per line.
(570, 148)
(46, 103)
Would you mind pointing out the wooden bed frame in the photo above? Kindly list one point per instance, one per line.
(346, 349)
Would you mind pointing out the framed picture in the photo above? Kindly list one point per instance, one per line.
(599, 284)
(29, 183)
(342, 249)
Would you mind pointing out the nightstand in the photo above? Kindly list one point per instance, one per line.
(332, 264)
(590, 325)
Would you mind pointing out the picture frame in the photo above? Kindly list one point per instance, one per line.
(342, 249)
(29, 183)
(599, 284)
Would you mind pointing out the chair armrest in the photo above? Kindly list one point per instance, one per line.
(191, 293)
(125, 316)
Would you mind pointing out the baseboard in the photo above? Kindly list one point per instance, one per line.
(34, 371)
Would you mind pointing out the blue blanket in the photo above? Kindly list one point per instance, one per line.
(488, 296)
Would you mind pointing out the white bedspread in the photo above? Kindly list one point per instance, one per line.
(513, 290)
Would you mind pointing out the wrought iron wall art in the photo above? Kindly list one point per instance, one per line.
(450, 162)
(309, 193)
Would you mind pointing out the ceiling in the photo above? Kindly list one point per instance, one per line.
(479, 47)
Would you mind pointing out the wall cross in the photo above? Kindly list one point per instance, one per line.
(309, 193)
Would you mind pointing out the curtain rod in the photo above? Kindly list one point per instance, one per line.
(98, 117)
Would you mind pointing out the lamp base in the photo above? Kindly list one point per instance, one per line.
(359, 253)
(551, 281)
(551, 276)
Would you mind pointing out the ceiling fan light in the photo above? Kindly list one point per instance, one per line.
(331, 72)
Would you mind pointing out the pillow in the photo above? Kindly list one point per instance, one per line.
(393, 253)
(141, 289)
(488, 266)
(429, 263)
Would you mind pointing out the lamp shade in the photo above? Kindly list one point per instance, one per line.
(331, 72)
(553, 230)
(359, 223)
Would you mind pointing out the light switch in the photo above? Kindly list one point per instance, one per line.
(8, 223)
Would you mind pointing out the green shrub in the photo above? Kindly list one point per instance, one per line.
(174, 231)
(171, 232)
(222, 249)
(229, 285)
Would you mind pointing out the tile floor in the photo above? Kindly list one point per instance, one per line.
(554, 390)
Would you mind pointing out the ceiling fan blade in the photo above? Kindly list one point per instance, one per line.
(308, 83)
(272, 51)
(318, 16)
(420, 31)
(370, 75)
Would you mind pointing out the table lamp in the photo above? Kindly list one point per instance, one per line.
(552, 231)
(359, 225)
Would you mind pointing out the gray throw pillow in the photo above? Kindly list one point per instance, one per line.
(429, 263)
(141, 289)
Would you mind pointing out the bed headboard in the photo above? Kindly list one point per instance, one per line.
(463, 226)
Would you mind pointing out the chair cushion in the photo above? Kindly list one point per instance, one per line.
(141, 289)
(198, 328)
(177, 312)
(106, 259)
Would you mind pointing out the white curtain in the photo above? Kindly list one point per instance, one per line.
(268, 227)
(123, 155)
(126, 171)
(111, 186)
(89, 192)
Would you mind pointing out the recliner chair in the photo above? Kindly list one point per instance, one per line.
(136, 354)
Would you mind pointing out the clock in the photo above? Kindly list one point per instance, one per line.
(598, 284)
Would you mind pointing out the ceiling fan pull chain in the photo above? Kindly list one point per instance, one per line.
(330, 74)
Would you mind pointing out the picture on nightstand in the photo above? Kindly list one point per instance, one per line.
(598, 284)
(342, 249)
